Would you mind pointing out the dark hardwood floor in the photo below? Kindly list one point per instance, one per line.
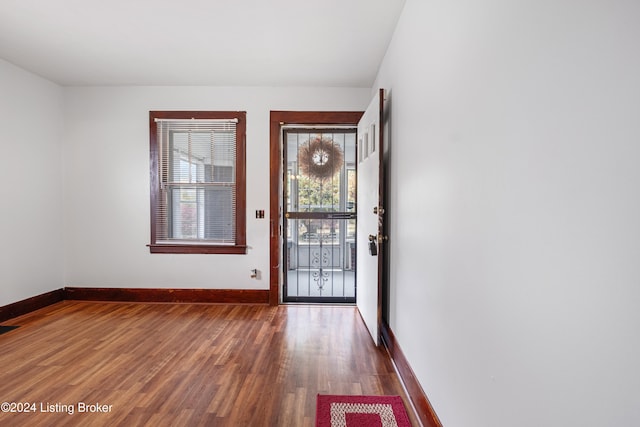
(186, 364)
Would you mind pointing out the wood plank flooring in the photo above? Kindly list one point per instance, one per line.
(186, 364)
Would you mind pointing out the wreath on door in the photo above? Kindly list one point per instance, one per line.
(320, 158)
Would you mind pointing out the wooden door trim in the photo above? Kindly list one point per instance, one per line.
(277, 120)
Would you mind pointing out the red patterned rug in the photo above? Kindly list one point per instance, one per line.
(360, 411)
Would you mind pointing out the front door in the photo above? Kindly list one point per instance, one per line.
(319, 198)
(370, 235)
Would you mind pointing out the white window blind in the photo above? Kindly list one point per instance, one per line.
(197, 179)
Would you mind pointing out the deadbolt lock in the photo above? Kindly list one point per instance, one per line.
(379, 238)
(378, 210)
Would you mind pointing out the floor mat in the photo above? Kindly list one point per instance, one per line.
(361, 411)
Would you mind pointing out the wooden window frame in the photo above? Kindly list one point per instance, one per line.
(240, 246)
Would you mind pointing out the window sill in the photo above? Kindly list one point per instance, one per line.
(197, 249)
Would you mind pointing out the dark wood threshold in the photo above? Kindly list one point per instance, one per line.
(221, 296)
(424, 410)
(30, 304)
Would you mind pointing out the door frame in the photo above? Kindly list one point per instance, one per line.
(277, 120)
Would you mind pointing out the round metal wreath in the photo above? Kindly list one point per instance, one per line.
(320, 158)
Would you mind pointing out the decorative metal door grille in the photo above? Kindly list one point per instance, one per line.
(320, 215)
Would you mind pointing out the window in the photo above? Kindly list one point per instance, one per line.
(197, 182)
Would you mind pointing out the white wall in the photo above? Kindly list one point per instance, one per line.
(31, 250)
(515, 206)
(107, 182)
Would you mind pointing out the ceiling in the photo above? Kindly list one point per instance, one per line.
(199, 42)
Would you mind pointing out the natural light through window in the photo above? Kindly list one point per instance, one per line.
(198, 180)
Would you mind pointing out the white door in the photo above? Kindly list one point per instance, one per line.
(370, 215)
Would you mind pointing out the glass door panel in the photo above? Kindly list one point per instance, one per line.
(320, 215)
